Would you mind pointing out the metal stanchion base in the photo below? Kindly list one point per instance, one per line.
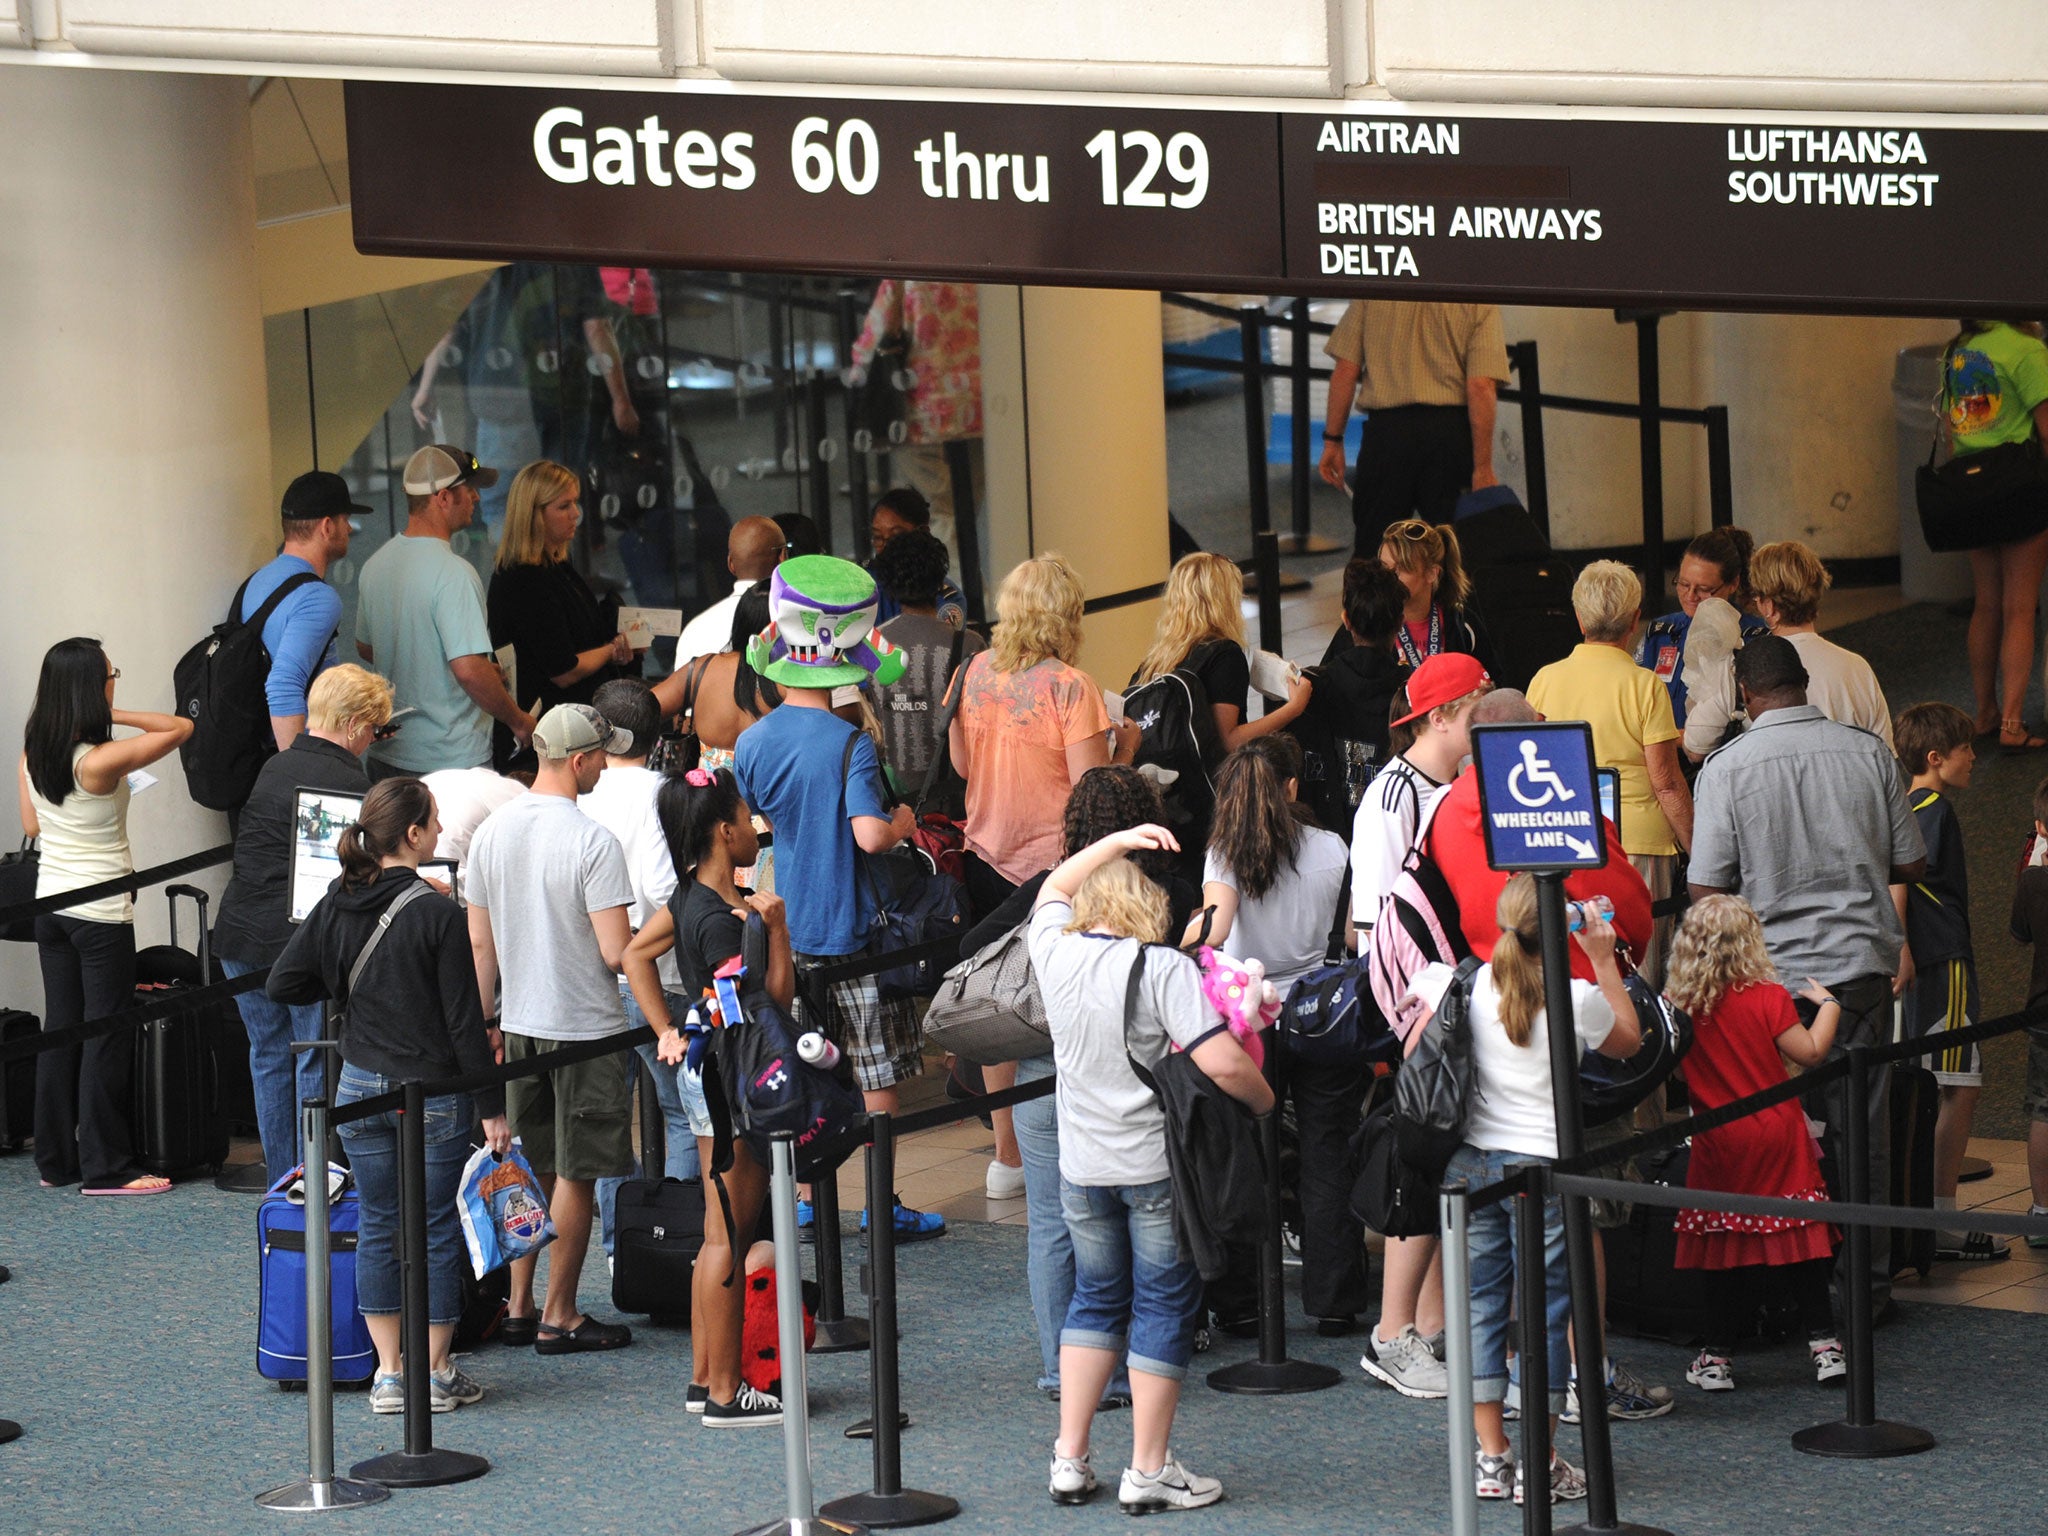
(1288, 583)
(1619, 1528)
(1973, 1169)
(841, 1335)
(1864, 1442)
(864, 1429)
(9, 1430)
(1310, 544)
(341, 1493)
(429, 1469)
(812, 1527)
(1256, 1378)
(885, 1511)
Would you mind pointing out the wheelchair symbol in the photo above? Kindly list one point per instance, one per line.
(1536, 770)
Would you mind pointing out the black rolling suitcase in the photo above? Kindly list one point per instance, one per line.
(1915, 1101)
(1521, 591)
(17, 1081)
(179, 1127)
(1647, 1294)
(659, 1228)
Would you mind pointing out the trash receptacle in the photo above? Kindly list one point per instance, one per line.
(1924, 577)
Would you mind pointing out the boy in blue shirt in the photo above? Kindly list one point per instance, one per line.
(1939, 969)
(789, 769)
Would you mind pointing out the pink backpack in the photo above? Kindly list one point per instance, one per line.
(1418, 925)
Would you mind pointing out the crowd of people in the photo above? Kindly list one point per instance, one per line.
(600, 884)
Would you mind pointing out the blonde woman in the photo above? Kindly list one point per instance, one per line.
(1098, 918)
(346, 709)
(1743, 1023)
(565, 643)
(1029, 725)
(1434, 621)
(1512, 1120)
(1201, 627)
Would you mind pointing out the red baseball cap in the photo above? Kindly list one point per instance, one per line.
(1440, 680)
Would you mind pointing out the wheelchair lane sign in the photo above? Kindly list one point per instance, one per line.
(1539, 799)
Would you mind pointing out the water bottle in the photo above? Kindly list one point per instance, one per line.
(1575, 913)
(818, 1051)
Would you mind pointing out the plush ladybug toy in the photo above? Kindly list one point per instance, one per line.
(760, 1352)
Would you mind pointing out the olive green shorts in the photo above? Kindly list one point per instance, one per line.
(574, 1121)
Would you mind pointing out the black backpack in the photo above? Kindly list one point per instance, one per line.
(770, 1088)
(219, 685)
(1177, 732)
(1434, 1086)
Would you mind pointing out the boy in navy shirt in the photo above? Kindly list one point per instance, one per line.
(1938, 972)
(789, 767)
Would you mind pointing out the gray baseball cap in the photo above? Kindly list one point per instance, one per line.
(568, 729)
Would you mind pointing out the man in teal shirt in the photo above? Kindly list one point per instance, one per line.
(420, 621)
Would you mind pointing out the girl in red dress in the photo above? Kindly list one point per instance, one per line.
(1743, 1022)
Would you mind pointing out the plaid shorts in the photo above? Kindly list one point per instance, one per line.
(882, 1037)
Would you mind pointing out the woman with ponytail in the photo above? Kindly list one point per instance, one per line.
(1511, 1120)
(1277, 887)
(710, 834)
(414, 1013)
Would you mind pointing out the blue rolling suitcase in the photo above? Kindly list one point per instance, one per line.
(281, 1307)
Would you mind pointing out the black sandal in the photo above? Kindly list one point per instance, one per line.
(519, 1332)
(585, 1337)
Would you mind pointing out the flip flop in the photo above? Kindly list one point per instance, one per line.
(126, 1189)
(2027, 742)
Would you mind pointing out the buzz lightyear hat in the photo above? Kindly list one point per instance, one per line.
(820, 634)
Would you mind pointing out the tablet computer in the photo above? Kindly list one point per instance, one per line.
(1610, 795)
(318, 815)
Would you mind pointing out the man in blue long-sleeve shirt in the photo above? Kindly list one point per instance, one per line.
(300, 634)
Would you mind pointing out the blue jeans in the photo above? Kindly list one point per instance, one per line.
(1049, 1258)
(684, 1115)
(372, 1145)
(1492, 1232)
(272, 1028)
(1132, 1288)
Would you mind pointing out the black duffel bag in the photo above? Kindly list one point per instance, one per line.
(1997, 495)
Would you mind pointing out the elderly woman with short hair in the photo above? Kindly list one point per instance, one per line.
(1633, 729)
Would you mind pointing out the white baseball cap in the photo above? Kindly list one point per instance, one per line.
(438, 466)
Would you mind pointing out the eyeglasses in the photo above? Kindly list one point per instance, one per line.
(114, 675)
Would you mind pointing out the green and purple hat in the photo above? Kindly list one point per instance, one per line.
(820, 634)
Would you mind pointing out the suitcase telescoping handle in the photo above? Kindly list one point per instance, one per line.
(201, 900)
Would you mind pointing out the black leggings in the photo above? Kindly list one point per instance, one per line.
(1736, 1294)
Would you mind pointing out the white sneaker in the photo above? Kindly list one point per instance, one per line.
(1405, 1363)
(1711, 1373)
(1004, 1182)
(1073, 1480)
(1171, 1487)
(1829, 1364)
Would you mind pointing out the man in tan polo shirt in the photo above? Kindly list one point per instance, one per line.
(1425, 376)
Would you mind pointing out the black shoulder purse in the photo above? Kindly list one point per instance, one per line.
(1996, 495)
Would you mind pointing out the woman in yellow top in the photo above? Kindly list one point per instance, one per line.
(1633, 731)
(74, 796)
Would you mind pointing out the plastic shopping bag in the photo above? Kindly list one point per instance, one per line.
(504, 1211)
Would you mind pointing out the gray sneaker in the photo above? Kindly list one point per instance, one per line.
(1496, 1476)
(1566, 1481)
(1435, 1341)
(1629, 1397)
(1073, 1480)
(452, 1391)
(1405, 1364)
(387, 1394)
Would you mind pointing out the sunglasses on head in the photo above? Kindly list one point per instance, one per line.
(1413, 532)
(385, 731)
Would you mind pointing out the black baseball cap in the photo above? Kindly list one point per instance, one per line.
(319, 493)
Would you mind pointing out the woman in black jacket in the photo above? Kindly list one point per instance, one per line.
(415, 1014)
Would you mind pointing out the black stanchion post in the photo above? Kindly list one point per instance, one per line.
(888, 1504)
(789, 1318)
(1863, 1436)
(1535, 464)
(1588, 1327)
(1534, 1305)
(320, 1488)
(1301, 538)
(1272, 1374)
(1266, 563)
(836, 1332)
(420, 1464)
(1250, 322)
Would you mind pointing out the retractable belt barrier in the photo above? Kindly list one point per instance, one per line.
(121, 885)
(176, 1000)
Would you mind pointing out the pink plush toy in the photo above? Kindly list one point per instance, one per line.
(1239, 992)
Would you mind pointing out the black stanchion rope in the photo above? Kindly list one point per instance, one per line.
(121, 885)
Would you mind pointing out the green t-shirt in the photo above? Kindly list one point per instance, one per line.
(1994, 380)
(419, 605)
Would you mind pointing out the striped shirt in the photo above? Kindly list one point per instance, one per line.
(1419, 354)
(1383, 831)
